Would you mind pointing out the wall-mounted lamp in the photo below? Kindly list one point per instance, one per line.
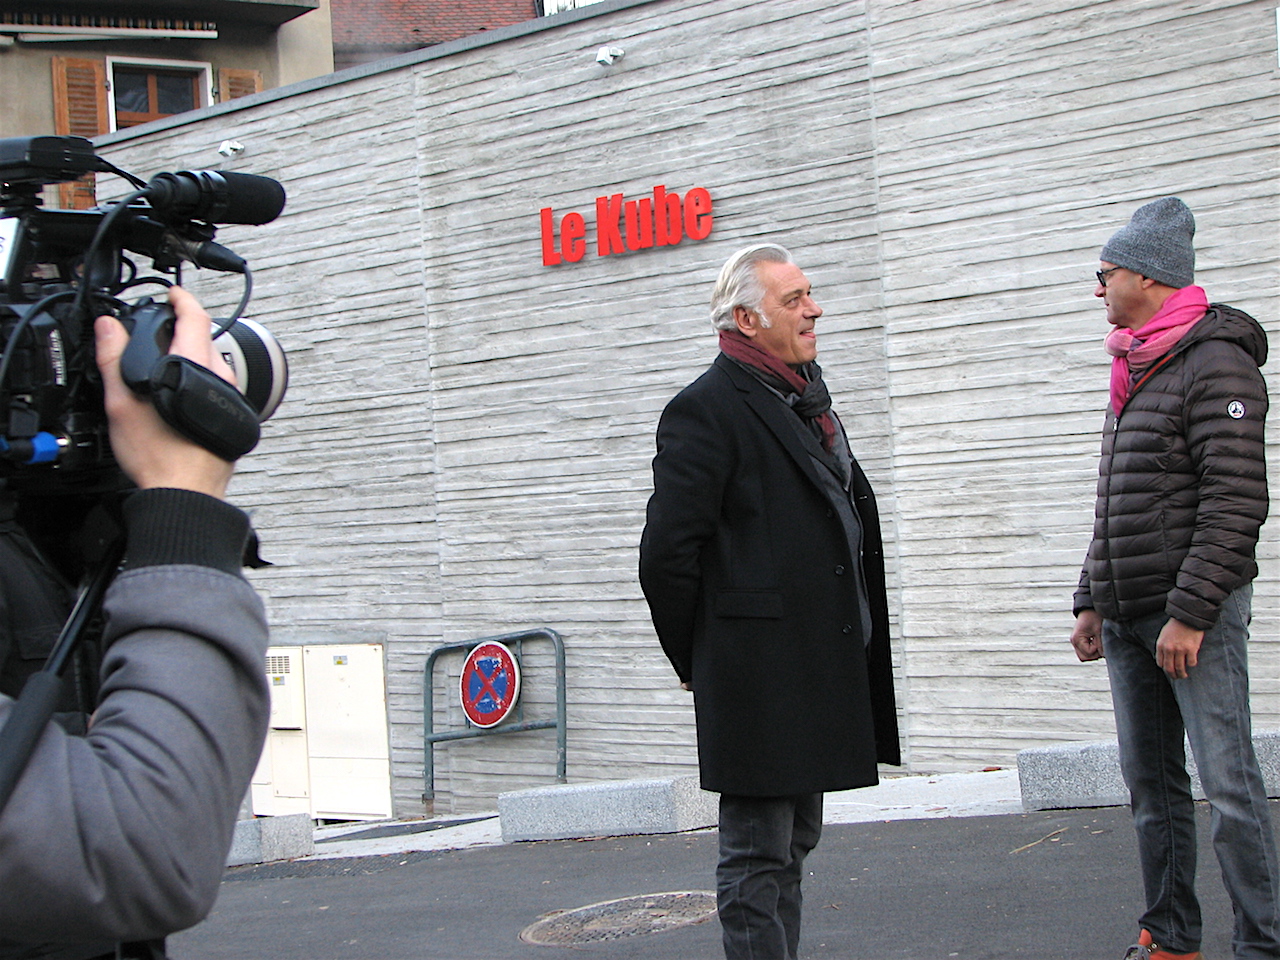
(607, 54)
(231, 148)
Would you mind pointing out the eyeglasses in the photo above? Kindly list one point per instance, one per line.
(1102, 274)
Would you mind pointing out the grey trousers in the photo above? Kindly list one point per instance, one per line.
(1212, 707)
(763, 843)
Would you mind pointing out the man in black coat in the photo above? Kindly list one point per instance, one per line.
(763, 566)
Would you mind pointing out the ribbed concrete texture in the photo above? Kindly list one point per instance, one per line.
(617, 808)
(1088, 774)
(264, 839)
(468, 438)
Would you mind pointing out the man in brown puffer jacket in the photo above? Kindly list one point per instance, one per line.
(1166, 588)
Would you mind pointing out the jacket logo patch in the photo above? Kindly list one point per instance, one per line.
(1235, 409)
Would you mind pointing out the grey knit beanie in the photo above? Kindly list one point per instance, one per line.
(1156, 243)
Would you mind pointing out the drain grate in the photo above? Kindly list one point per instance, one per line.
(628, 917)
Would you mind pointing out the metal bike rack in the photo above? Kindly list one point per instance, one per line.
(515, 640)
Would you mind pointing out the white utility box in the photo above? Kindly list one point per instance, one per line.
(327, 752)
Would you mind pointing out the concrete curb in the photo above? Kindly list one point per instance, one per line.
(1087, 774)
(608, 809)
(264, 839)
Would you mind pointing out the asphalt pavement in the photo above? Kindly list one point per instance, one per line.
(945, 867)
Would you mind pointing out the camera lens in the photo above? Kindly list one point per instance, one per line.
(258, 361)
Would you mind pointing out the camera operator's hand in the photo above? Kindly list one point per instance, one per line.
(148, 450)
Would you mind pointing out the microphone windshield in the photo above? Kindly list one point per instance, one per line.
(215, 196)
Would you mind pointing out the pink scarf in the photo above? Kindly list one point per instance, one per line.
(1136, 350)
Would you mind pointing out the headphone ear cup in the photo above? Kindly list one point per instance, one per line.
(203, 407)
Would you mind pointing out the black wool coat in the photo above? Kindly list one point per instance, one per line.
(746, 568)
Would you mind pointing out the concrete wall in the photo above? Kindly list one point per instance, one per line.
(465, 446)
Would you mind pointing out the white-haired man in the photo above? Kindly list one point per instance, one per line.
(763, 567)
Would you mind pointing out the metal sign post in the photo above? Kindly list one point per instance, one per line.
(488, 682)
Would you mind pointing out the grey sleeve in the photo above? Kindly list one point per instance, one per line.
(123, 834)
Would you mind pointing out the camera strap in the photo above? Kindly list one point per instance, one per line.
(203, 407)
(193, 400)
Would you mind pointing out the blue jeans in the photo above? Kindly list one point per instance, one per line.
(763, 843)
(1212, 706)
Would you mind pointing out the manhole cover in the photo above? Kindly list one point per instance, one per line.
(628, 917)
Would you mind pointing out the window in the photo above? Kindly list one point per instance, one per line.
(143, 90)
(141, 95)
(85, 103)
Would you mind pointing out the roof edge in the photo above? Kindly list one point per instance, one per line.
(435, 52)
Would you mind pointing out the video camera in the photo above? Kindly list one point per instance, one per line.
(63, 268)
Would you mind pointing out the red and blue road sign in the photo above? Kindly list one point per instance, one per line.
(490, 684)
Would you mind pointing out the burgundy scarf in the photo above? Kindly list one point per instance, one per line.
(812, 403)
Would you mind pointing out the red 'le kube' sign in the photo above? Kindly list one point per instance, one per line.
(624, 225)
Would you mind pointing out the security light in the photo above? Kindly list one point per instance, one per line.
(607, 54)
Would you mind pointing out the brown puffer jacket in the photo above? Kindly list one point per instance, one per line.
(1182, 486)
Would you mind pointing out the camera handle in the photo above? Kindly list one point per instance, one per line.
(39, 698)
(197, 403)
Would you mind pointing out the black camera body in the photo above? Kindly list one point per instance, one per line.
(64, 268)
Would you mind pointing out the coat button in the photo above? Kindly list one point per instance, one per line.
(839, 571)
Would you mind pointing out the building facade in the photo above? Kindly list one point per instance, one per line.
(483, 328)
(89, 67)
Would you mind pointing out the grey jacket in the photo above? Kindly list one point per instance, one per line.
(123, 834)
(1182, 486)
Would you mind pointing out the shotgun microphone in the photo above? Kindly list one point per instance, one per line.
(215, 196)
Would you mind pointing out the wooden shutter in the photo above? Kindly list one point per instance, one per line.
(234, 83)
(79, 110)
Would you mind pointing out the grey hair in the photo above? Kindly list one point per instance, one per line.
(739, 285)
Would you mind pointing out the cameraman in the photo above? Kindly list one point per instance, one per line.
(115, 839)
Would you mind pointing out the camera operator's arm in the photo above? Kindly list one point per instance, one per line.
(123, 834)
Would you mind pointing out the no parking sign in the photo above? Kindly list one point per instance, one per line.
(490, 684)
